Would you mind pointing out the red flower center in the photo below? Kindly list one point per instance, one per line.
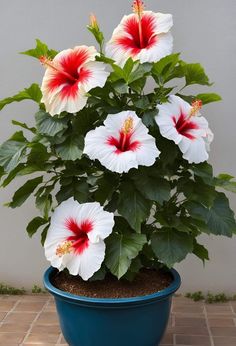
(69, 71)
(79, 239)
(123, 143)
(141, 33)
(184, 125)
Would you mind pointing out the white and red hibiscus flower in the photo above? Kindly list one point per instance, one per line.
(68, 78)
(181, 122)
(75, 238)
(122, 143)
(143, 35)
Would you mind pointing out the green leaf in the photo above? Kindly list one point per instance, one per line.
(12, 151)
(139, 71)
(164, 67)
(24, 192)
(38, 154)
(153, 188)
(34, 225)
(43, 199)
(195, 74)
(224, 181)
(41, 49)
(71, 149)
(171, 246)
(148, 117)
(220, 218)
(77, 188)
(107, 184)
(24, 126)
(133, 206)
(31, 93)
(21, 170)
(127, 69)
(208, 98)
(205, 171)
(197, 191)
(44, 234)
(48, 125)
(121, 249)
(201, 252)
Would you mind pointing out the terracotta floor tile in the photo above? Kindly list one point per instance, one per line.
(63, 341)
(44, 329)
(6, 305)
(41, 344)
(188, 308)
(47, 318)
(189, 330)
(29, 306)
(224, 341)
(218, 309)
(188, 321)
(41, 338)
(14, 328)
(11, 338)
(36, 297)
(223, 331)
(168, 339)
(2, 315)
(20, 317)
(221, 322)
(190, 340)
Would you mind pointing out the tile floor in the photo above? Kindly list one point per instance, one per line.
(32, 320)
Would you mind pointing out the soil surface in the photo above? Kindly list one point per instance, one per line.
(146, 282)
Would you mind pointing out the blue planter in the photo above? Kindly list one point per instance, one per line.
(138, 321)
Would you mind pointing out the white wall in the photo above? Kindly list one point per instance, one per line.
(204, 31)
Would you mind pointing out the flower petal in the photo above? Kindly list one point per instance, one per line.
(117, 151)
(69, 76)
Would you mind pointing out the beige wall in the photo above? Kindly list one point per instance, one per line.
(204, 31)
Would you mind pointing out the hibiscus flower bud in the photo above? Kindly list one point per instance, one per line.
(93, 22)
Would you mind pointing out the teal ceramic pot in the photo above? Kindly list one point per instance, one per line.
(138, 321)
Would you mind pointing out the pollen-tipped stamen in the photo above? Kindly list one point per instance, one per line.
(64, 248)
(138, 8)
(126, 129)
(196, 106)
(49, 63)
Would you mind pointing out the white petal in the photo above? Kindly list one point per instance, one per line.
(164, 22)
(98, 75)
(89, 262)
(196, 152)
(162, 48)
(97, 147)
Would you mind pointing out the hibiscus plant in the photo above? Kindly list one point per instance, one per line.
(118, 153)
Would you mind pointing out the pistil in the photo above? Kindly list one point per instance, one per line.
(49, 63)
(126, 129)
(196, 106)
(138, 8)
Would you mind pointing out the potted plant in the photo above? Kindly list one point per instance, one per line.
(120, 178)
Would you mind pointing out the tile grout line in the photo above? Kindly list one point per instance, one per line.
(59, 339)
(10, 311)
(34, 320)
(234, 319)
(208, 326)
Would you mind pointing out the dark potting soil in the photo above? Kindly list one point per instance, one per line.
(148, 281)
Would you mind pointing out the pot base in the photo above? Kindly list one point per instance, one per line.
(137, 321)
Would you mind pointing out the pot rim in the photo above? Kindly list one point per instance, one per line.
(160, 295)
